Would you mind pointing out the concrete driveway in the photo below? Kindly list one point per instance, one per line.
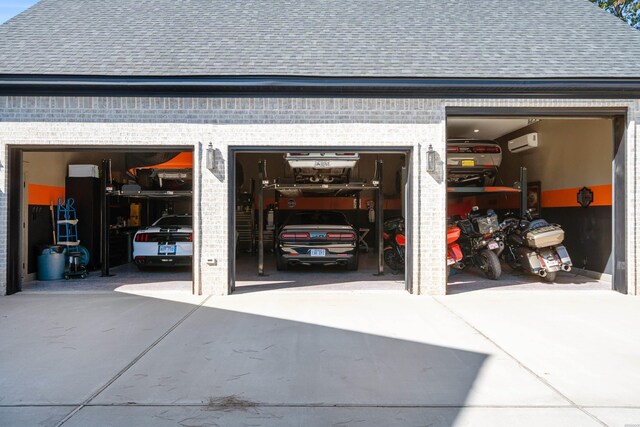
(565, 358)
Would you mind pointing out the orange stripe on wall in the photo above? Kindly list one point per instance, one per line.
(43, 194)
(602, 196)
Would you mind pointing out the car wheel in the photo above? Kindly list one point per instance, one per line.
(489, 181)
(281, 264)
(144, 179)
(352, 265)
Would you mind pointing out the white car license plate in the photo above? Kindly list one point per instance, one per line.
(492, 245)
(317, 252)
(166, 249)
(322, 164)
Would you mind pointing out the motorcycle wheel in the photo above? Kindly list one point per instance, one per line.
(550, 277)
(491, 263)
(391, 260)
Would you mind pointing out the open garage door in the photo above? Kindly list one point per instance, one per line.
(100, 219)
(549, 228)
(320, 220)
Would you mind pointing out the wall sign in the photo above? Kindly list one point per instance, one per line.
(585, 197)
(534, 196)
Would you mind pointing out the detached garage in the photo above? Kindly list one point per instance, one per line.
(370, 93)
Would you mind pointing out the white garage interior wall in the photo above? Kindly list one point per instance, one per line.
(570, 153)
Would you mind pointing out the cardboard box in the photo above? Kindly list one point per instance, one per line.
(84, 171)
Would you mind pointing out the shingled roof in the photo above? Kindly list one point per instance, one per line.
(324, 38)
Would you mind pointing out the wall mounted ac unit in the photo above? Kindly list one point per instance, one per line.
(523, 143)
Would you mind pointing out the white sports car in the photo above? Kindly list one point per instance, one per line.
(168, 242)
(472, 162)
(324, 168)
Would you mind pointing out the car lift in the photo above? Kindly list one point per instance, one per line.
(350, 189)
(107, 190)
(521, 188)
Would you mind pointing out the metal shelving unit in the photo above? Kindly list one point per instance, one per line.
(245, 227)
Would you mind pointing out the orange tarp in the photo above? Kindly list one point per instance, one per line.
(181, 161)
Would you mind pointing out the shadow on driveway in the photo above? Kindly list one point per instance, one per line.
(135, 360)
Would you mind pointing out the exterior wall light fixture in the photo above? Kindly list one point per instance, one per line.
(211, 157)
(431, 159)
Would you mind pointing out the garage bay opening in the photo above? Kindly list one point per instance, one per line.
(530, 202)
(320, 220)
(106, 219)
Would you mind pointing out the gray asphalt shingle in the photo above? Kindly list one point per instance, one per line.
(355, 38)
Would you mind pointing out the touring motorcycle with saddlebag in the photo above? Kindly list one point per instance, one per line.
(534, 245)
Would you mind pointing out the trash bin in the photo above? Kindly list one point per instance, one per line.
(51, 263)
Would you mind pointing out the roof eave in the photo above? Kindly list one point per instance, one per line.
(598, 87)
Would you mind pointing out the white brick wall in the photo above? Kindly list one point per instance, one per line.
(243, 122)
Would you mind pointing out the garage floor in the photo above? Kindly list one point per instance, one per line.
(473, 280)
(306, 278)
(126, 278)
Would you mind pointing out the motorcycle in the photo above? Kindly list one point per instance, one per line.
(481, 242)
(534, 245)
(454, 252)
(394, 244)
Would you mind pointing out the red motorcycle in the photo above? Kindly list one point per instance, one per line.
(454, 252)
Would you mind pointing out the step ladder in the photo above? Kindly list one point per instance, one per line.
(67, 224)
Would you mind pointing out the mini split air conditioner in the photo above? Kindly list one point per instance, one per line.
(523, 143)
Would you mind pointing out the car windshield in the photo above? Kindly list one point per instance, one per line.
(318, 218)
(174, 220)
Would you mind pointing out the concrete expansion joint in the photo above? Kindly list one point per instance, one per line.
(522, 365)
(331, 405)
(131, 364)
